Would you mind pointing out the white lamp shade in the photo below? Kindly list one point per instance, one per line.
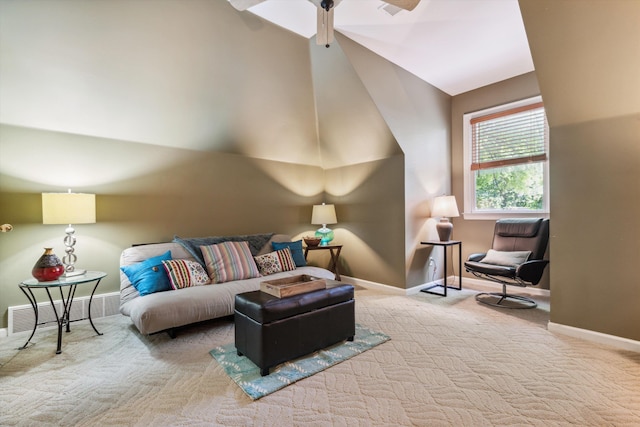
(445, 206)
(68, 208)
(323, 214)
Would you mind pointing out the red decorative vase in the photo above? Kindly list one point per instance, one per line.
(48, 268)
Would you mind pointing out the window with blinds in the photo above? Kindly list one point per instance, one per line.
(506, 161)
(509, 137)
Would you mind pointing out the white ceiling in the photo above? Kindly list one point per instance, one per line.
(455, 45)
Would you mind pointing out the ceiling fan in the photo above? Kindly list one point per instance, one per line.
(325, 14)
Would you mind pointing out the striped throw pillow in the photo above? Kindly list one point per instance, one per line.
(275, 262)
(229, 261)
(184, 273)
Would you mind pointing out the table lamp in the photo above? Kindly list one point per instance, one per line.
(69, 208)
(324, 214)
(444, 207)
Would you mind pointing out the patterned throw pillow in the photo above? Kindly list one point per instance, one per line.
(275, 262)
(184, 273)
(229, 261)
(296, 251)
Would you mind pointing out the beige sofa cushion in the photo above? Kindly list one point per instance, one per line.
(166, 310)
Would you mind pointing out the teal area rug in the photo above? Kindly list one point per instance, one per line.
(247, 375)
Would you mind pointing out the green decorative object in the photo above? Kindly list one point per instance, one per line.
(325, 235)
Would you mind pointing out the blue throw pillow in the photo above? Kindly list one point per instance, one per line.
(296, 251)
(149, 276)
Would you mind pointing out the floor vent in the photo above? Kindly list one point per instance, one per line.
(21, 317)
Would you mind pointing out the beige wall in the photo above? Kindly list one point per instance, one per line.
(370, 208)
(588, 67)
(595, 229)
(477, 235)
(190, 194)
(193, 193)
(418, 116)
(205, 194)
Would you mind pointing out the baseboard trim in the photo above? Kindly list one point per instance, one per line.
(392, 289)
(477, 284)
(372, 285)
(3, 332)
(596, 337)
(584, 334)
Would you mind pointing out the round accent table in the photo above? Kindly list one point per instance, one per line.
(62, 318)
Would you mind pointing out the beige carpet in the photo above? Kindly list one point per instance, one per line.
(450, 362)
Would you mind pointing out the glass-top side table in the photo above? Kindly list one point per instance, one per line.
(62, 319)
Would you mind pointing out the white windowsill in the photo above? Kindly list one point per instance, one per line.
(499, 215)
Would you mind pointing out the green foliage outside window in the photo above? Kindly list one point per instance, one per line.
(510, 187)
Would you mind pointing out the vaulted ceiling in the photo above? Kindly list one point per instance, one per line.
(454, 45)
(194, 75)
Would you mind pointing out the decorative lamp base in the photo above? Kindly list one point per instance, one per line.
(325, 234)
(444, 229)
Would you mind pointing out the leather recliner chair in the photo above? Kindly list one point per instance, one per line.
(516, 258)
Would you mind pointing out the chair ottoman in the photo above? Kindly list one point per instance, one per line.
(271, 330)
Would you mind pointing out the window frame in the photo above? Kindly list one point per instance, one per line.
(470, 211)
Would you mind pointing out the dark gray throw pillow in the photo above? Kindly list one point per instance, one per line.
(192, 244)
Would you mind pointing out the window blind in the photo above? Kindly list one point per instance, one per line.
(509, 137)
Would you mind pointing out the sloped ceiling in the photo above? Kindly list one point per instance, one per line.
(191, 74)
(350, 126)
(587, 68)
(454, 45)
(186, 74)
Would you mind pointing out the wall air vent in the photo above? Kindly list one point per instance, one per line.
(21, 317)
(390, 9)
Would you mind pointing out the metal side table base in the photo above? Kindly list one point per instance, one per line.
(63, 318)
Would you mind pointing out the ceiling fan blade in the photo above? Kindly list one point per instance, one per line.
(324, 34)
(244, 4)
(404, 4)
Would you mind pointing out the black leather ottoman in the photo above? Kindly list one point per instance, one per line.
(271, 330)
